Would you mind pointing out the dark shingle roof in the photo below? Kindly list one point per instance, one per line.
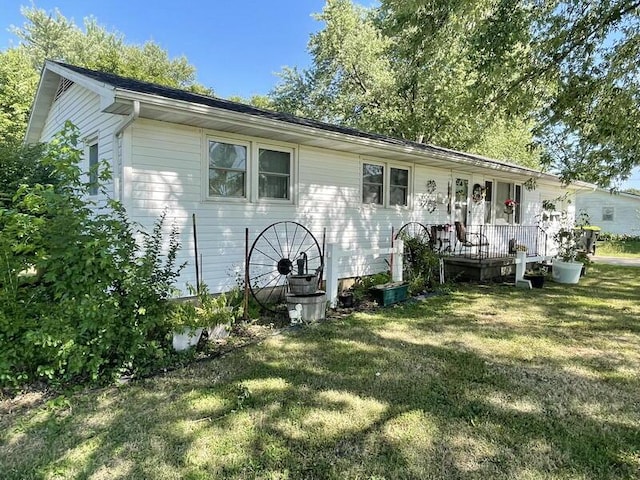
(185, 96)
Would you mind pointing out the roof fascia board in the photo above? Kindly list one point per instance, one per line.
(101, 89)
(437, 153)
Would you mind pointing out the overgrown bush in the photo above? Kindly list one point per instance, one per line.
(421, 267)
(80, 298)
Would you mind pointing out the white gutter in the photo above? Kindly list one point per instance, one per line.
(118, 167)
(276, 125)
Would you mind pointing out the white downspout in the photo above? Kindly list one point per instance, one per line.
(118, 187)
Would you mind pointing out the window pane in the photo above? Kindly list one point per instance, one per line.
(227, 169)
(274, 174)
(227, 155)
(225, 183)
(372, 173)
(400, 177)
(272, 161)
(372, 194)
(273, 186)
(93, 169)
(398, 195)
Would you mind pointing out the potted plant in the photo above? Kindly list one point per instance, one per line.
(536, 275)
(187, 325)
(189, 317)
(566, 269)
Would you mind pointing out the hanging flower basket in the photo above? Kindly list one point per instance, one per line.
(509, 205)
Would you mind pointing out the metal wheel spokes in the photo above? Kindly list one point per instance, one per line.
(410, 231)
(276, 253)
(414, 230)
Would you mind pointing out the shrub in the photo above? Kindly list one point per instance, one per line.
(421, 266)
(80, 298)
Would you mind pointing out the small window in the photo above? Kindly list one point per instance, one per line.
(399, 186)
(93, 169)
(227, 170)
(607, 214)
(274, 177)
(372, 183)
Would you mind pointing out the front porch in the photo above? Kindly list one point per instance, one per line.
(485, 252)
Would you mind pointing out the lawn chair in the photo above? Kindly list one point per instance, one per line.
(470, 239)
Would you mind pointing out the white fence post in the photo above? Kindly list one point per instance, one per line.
(521, 264)
(396, 274)
(332, 255)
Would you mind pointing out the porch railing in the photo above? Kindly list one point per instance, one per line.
(489, 241)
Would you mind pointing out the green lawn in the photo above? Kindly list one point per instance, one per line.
(488, 382)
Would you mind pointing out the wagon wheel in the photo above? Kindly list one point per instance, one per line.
(412, 230)
(274, 255)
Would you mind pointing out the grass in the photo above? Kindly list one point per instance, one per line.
(619, 248)
(488, 382)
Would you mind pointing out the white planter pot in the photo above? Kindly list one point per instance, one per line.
(186, 339)
(566, 272)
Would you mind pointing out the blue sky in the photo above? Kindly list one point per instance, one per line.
(236, 46)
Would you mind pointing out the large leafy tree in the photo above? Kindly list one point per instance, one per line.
(407, 69)
(482, 74)
(52, 36)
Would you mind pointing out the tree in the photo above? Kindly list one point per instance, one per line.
(473, 74)
(406, 69)
(45, 36)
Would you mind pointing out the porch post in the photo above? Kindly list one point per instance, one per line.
(332, 255)
(396, 270)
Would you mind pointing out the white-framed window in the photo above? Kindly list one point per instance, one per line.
(504, 191)
(241, 169)
(385, 185)
(607, 214)
(373, 183)
(227, 168)
(275, 166)
(398, 186)
(92, 156)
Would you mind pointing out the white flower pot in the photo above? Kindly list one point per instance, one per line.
(186, 339)
(566, 272)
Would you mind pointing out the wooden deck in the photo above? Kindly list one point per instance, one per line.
(467, 268)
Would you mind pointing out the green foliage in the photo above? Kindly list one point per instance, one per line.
(22, 165)
(53, 36)
(205, 310)
(83, 291)
(362, 286)
(407, 70)
(421, 265)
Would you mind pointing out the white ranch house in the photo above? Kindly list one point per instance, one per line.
(617, 213)
(235, 166)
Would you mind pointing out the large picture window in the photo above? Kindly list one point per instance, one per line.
(274, 174)
(227, 169)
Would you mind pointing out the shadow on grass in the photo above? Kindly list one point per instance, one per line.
(490, 382)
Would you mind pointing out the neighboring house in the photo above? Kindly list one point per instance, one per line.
(236, 166)
(617, 213)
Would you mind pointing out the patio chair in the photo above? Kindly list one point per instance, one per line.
(470, 239)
